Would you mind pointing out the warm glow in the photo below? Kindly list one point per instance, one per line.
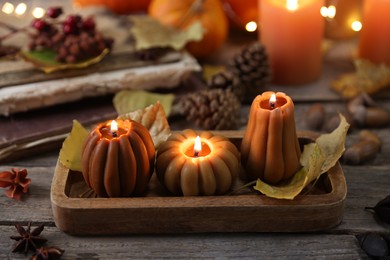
(38, 12)
(251, 26)
(20, 8)
(356, 26)
(328, 12)
(292, 5)
(197, 145)
(272, 100)
(7, 8)
(331, 11)
(114, 126)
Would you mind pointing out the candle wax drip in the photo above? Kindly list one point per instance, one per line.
(204, 152)
(108, 134)
(280, 101)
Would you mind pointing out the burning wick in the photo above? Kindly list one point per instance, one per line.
(272, 101)
(114, 128)
(197, 146)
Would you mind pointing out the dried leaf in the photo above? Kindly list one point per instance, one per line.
(70, 154)
(149, 33)
(211, 70)
(382, 209)
(368, 78)
(130, 100)
(45, 60)
(154, 119)
(316, 159)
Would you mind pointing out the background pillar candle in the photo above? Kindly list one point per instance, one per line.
(293, 39)
(375, 35)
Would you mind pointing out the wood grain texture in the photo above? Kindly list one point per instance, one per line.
(237, 246)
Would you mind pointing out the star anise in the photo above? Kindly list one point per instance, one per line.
(28, 240)
(46, 253)
(16, 181)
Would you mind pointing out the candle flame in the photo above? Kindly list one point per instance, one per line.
(272, 101)
(292, 5)
(114, 126)
(197, 146)
(251, 26)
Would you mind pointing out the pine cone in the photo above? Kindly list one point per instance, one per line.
(251, 67)
(226, 80)
(213, 109)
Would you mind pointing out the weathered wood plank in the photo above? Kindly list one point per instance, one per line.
(249, 246)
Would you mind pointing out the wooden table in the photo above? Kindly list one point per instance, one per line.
(367, 184)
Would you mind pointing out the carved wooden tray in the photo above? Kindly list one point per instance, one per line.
(158, 212)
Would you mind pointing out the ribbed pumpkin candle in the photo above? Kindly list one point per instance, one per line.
(118, 158)
(270, 149)
(190, 165)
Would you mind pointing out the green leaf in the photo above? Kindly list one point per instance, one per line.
(149, 33)
(316, 159)
(45, 60)
(45, 56)
(71, 151)
(130, 100)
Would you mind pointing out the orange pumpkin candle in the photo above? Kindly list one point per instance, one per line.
(270, 149)
(292, 32)
(118, 159)
(375, 36)
(192, 165)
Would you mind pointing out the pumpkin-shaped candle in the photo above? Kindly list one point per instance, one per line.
(118, 159)
(270, 149)
(189, 165)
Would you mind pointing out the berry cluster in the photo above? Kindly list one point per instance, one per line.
(74, 39)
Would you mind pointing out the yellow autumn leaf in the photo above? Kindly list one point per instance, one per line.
(154, 119)
(210, 70)
(368, 78)
(316, 159)
(70, 154)
(149, 33)
(127, 101)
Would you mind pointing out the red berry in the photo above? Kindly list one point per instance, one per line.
(39, 24)
(73, 20)
(54, 12)
(69, 29)
(89, 24)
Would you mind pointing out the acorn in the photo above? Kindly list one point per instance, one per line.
(315, 116)
(365, 150)
(377, 117)
(365, 113)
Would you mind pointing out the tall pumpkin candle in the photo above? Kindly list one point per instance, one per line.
(270, 149)
(292, 31)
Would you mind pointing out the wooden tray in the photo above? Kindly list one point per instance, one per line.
(320, 209)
